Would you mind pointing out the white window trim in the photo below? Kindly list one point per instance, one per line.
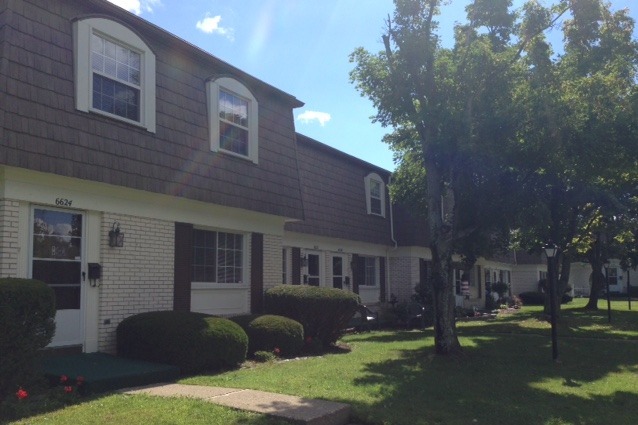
(235, 87)
(82, 31)
(367, 179)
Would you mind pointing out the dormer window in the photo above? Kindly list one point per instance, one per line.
(114, 72)
(116, 78)
(375, 194)
(233, 118)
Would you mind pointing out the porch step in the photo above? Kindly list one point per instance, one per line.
(105, 372)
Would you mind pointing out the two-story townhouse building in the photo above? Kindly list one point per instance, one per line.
(113, 127)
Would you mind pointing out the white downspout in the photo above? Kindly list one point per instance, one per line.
(392, 238)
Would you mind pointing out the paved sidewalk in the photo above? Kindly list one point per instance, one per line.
(295, 409)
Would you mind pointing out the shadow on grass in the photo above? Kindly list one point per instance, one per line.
(504, 379)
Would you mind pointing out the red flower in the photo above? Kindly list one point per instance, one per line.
(308, 339)
(68, 389)
(277, 351)
(22, 394)
(79, 380)
(63, 379)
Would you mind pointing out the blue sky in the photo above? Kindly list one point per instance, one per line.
(302, 48)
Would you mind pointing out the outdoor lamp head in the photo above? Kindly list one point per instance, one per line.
(551, 250)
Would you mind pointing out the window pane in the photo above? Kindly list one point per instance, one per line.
(63, 277)
(375, 206)
(233, 138)
(116, 98)
(370, 271)
(375, 188)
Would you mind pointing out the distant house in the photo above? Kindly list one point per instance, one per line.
(139, 173)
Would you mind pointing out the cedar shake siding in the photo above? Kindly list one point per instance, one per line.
(43, 131)
(409, 229)
(334, 195)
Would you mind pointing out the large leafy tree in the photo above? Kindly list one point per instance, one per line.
(577, 129)
(450, 109)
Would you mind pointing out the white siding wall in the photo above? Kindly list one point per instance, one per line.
(525, 278)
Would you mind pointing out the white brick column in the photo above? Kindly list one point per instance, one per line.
(9, 225)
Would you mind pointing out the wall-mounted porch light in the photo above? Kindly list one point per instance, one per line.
(116, 238)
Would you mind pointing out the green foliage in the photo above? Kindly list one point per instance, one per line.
(269, 332)
(27, 314)
(192, 341)
(264, 356)
(532, 298)
(500, 288)
(323, 312)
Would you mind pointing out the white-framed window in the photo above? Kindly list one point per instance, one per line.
(371, 271)
(233, 118)
(114, 72)
(218, 257)
(375, 194)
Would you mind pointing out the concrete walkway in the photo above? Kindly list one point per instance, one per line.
(295, 409)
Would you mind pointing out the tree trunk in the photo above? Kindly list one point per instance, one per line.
(445, 339)
(596, 261)
(597, 284)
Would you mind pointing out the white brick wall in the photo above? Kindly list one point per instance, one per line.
(9, 217)
(404, 277)
(137, 277)
(272, 261)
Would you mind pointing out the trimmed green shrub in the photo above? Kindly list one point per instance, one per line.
(532, 298)
(538, 298)
(323, 312)
(194, 342)
(27, 324)
(267, 332)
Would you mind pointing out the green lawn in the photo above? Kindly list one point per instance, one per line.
(505, 376)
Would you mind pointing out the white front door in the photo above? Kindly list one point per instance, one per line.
(313, 276)
(57, 245)
(338, 271)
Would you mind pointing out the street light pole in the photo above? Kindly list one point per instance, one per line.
(551, 251)
(607, 286)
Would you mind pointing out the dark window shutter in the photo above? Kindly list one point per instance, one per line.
(382, 279)
(478, 281)
(257, 273)
(358, 272)
(425, 270)
(296, 266)
(183, 267)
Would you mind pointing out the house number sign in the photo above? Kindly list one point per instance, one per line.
(63, 202)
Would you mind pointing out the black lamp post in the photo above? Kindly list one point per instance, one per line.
(607, 286)
(551, 250)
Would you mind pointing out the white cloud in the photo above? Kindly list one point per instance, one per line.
(310, 116)
(136, 6)
(210, 25)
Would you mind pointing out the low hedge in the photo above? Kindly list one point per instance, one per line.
(538, 298)
(194, 342)
(27, 324)
(323, 312)
(269, 332)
